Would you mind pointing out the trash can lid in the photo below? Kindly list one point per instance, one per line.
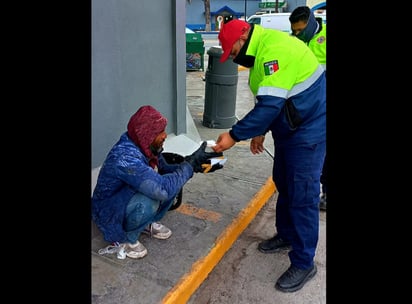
(215, 51)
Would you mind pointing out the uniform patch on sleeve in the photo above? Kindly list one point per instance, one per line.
(271, 67)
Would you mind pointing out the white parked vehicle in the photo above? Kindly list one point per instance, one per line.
(278, 21)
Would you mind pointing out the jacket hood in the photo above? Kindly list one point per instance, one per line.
(143, 127)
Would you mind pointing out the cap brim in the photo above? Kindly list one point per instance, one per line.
(224, 56)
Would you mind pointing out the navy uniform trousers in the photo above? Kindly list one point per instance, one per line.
(296, 174)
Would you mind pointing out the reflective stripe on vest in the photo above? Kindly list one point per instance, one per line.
(296, 89)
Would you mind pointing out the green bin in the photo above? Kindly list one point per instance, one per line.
(195, 52)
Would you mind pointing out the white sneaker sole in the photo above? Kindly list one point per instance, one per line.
(136, 254)
(163, 236)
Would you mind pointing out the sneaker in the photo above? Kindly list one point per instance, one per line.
(136, 250)
(158, 231)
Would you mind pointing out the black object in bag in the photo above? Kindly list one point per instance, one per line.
(292, 114)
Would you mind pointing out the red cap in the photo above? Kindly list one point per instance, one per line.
(229, 34)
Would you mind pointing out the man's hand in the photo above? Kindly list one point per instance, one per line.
(224, 142)
(200, 156)
(256, 144)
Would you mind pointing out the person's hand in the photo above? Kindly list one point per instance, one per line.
(200, 156)
(256, 144)
(223, 142)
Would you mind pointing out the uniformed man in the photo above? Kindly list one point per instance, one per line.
(289, 85)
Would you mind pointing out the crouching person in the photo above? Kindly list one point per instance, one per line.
(136, 186)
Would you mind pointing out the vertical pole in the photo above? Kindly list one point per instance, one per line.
(245, 9)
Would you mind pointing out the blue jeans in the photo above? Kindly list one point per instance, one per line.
(142, 211)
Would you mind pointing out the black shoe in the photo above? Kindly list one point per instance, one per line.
(322, 202)
(273, 245)
(294, 278)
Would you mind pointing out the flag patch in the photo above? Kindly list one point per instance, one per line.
(271, 67)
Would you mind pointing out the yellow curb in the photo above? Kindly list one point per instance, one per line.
(188, 284)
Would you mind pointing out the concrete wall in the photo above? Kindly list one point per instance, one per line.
(138, 57)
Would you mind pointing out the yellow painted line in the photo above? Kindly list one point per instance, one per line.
(188, 284)
(199, 213)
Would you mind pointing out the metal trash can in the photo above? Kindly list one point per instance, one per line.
(220, 91)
